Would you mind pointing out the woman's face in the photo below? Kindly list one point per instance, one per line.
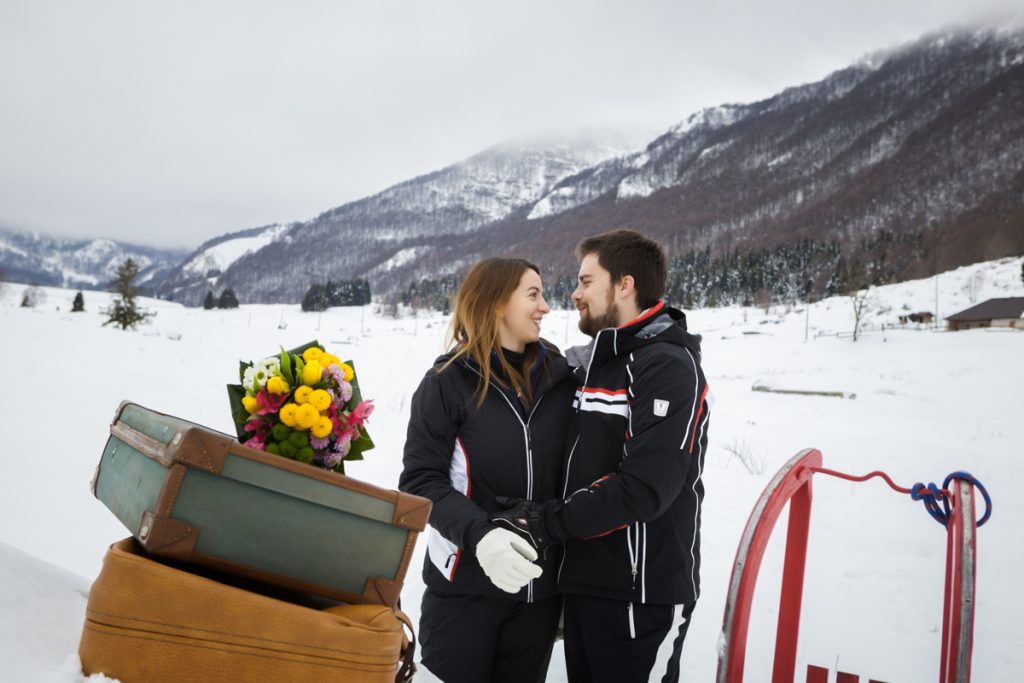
(519, 319)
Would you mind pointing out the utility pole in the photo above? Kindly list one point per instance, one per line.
(807, 320)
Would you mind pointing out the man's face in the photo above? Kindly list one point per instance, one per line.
(595, 297)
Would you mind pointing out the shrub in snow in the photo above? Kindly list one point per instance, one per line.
(32, 297)
(227, 299)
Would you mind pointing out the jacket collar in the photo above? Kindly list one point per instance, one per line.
(660, 323)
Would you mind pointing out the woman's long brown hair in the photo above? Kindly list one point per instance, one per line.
(488, 286)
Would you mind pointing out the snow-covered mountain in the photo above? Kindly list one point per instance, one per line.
(399, 225)
(921, 145)
(201, 269)
(87, 264)
(914, 154)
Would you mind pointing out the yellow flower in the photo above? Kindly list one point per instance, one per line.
(306, 416)
(349, 372)
(277, 385)
(329, 359)
(250, 404)
(287, 414)
(312, 373)
(319, 399)
(322, 427)
(312, 353)
(302, 394)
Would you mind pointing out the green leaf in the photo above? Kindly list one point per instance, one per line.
(242, 367)
(238, 412)
(360, 446)
(286, 367)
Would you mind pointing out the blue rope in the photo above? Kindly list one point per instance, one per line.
(931, 495)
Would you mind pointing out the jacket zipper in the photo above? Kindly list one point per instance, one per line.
(632, 624)
(529, 449)
(634, 552)
(568, 464)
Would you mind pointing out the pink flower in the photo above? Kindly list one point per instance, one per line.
(269, 403)
(359, 415)
(256, 442)
(259, 428)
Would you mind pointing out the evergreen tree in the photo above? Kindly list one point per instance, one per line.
(227, 299)
(125, 312)
(209, 303)
(78, 305)
(316, 299)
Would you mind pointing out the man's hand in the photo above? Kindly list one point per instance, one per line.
(523, 517)
(507, 560)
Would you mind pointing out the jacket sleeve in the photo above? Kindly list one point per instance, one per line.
(427, 459)
(661, 441)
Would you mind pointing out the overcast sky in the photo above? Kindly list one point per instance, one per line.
(168, 123)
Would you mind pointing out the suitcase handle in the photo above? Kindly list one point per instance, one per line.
(408, 666)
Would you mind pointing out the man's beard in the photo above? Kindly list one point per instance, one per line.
(590, 325)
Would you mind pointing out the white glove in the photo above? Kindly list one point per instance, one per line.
(507, 559)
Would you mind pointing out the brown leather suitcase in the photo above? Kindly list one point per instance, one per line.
(151, 621)
(193, 494)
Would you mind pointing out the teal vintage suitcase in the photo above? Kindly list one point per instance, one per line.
(192, 494)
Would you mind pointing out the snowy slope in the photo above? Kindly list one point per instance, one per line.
(222, 254)
(927, 403)
(43, 609)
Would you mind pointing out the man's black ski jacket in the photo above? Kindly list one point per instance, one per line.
(631, 503)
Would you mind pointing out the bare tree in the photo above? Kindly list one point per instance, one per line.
(863, 303)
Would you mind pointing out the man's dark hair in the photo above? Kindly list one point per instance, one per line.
(625, 252)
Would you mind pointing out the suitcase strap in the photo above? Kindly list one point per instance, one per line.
(408, 666)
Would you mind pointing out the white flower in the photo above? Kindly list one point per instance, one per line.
(269, 366)
(249, 379)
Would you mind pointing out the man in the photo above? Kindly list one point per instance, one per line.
(629, 518)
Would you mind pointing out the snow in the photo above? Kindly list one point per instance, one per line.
(401, 257)
(222, 255)
(927, 402)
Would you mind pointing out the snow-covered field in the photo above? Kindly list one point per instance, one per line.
(927, 403)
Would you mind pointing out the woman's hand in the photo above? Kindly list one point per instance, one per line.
(507, 560)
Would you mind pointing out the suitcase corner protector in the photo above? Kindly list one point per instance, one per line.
(167, 537)
(412, 512)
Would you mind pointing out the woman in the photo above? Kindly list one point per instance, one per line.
(489, 420)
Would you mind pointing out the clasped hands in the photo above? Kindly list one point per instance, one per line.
(508, 553)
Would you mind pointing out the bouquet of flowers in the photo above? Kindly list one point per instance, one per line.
(302, 404)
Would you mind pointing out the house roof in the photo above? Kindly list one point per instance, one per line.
(1010, 307)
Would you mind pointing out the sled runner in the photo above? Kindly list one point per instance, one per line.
(150, 621)
(192, 494)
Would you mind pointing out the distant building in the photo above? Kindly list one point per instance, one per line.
(920, 317)
(1008, 312)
